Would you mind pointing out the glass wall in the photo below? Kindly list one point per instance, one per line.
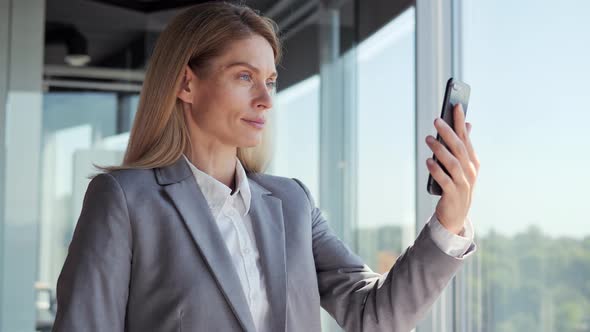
(296, 117)
(369, 153)
(527, 63)
(79, 131)
(386, 145)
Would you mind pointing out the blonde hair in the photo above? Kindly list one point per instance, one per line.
(159, 135)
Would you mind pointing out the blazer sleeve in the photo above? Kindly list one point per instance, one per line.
(362, 300)
(93, 285)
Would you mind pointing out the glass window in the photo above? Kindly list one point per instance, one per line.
(527, 63)
(79, 129)
(296, 116)
(386, 146)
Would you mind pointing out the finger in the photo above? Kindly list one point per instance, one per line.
(470, 149)
(452, 164)
(455, 144)
(460, 128)
(442, 178)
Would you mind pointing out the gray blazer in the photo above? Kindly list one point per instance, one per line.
(146, 255)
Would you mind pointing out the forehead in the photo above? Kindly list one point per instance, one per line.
(254, 51)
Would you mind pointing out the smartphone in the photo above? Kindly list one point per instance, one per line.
(456, 92)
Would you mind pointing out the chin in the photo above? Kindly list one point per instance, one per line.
(251, 142)
(250, 145)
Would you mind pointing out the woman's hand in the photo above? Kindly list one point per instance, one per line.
(463, 165)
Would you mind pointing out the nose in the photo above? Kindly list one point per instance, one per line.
(264, 100)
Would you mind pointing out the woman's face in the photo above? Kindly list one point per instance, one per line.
(230, 103)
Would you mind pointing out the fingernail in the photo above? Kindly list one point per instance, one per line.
(429, 139)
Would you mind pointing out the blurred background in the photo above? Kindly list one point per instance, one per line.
(359, 87)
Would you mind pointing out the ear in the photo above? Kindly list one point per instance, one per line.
(187, 89)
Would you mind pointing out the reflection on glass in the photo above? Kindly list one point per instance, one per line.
(79, 130)
(386, 130)
(529, 70)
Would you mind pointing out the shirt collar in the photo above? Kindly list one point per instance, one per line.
(217, 193)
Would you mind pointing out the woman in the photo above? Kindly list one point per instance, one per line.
(189, 234)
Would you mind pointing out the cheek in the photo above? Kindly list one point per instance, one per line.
(217, 106)
(223, 117)
(234, 104)
(238, 97)
(222, 107)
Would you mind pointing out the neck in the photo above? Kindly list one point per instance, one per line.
(214, 158)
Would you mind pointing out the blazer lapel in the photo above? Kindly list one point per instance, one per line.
(266, 212)
(182, 188)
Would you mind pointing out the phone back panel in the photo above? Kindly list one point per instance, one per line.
(456, 92)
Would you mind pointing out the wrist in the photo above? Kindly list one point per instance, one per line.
(455, 229)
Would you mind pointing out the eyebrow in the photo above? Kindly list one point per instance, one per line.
(245, 64)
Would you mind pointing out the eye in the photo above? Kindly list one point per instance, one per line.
(272, 84)
(246, 77)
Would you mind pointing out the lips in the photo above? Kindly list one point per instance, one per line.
(257, 120)
(257, 123)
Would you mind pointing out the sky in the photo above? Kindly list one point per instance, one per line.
(528, 66)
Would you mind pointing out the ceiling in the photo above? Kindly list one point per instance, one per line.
(121, 33)
(119, 36)
(148, 6)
